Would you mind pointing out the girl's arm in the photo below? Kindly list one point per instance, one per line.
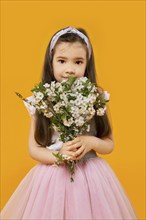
(37, 152)
(83, 144)
(104, 145)
(42, 154)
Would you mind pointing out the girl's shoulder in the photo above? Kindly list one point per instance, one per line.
(31, 109)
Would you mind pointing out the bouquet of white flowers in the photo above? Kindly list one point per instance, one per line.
(70, 105)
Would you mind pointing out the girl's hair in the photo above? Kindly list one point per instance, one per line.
(43, 132)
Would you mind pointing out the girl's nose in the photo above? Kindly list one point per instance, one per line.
(69, 73)
(70, 70)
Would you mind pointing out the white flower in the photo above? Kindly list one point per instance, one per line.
(63, 97)
(88, 128)
(83, 79)
(92, 98)
(80, 121)
(49, 114)
(91, 110)
(65, 157)
(106, 95)
(52, 86)
(57, 107)
(101, 111)
(58, 85)
(43, 106)
(68, 123)
(39, 96)
(46, 85)
(60, 89)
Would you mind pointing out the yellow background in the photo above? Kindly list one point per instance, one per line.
(116, 30)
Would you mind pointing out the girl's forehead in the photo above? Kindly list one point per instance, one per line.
(70, 48)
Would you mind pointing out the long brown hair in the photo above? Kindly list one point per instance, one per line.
(43, 132)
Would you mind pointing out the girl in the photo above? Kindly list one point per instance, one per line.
(46, 191)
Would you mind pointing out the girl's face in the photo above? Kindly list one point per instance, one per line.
(69, 59)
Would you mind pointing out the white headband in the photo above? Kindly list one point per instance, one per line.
(69, 30)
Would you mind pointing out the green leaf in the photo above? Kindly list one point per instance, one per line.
(20, 96)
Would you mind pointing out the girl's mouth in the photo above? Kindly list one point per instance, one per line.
(64, 78)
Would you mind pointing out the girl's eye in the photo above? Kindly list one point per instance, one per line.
(79, 62)
(61, 61)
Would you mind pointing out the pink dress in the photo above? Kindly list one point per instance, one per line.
(47, 193)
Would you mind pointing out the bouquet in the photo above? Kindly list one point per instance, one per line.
(70, 105)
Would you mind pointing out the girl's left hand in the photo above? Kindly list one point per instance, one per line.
(81, 145)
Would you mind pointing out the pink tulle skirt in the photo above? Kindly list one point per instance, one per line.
(47, 193)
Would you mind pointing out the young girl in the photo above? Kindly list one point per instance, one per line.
(46, 192)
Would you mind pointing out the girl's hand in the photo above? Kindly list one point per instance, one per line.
(81, 145)
(65, 151)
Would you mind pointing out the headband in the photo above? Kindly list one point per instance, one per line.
(70, 30)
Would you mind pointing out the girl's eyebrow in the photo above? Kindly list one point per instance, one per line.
(76, 58)
(79, 58)
(60, 57)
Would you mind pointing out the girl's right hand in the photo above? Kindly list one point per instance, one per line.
(64, 150)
